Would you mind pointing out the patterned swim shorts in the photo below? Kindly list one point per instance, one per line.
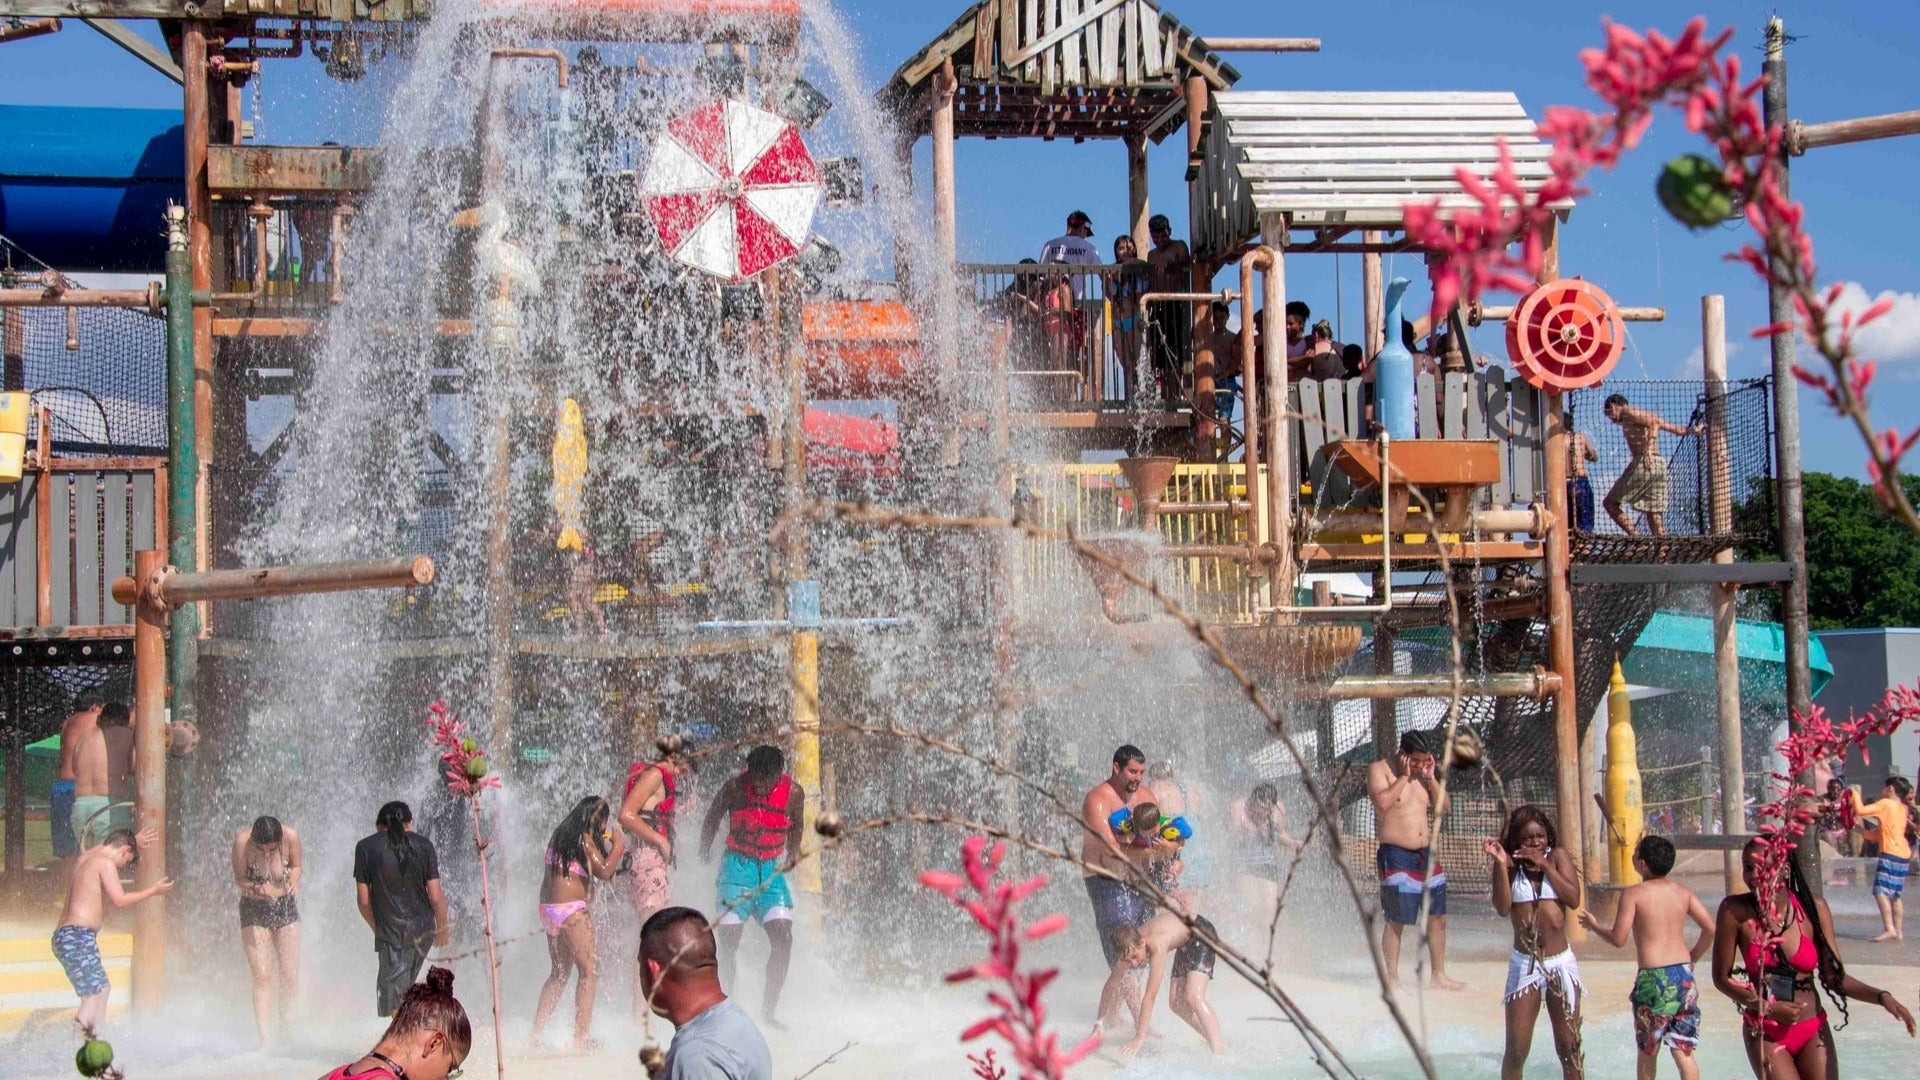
(78, 949)
(1666, 1009)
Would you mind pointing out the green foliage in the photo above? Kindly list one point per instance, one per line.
(1863, 565)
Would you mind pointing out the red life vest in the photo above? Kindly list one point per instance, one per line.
(661, 816)
(758, 829)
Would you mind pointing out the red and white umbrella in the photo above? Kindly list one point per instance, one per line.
(731, 189)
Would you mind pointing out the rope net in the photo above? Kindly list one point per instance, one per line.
(1728, 448)
(100, 372)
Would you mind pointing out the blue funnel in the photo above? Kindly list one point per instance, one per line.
(1393, 371)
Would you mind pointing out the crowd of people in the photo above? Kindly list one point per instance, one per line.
(1771, 946)
(1152, 870)
(684, 959)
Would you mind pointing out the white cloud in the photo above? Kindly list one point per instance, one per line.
(1894, 336)
(1694, 364)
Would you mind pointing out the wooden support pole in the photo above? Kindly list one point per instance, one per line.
(149, 777)
(1262, 44)
(1200, 279)
(1801, 138)
(1573, 790)
(1277, 433)
(1726, 649)
(172, 589)
(1373, 296)
(197, 118)
(1137, 209)
(944, 228)
(1386, 718)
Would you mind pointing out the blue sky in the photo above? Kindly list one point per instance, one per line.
(1851, 59)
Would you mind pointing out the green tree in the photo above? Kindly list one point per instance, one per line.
(1863, 564)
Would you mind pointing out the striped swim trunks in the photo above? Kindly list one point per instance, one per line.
(78, 949)
(1891, 877)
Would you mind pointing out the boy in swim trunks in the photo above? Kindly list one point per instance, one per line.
(94, 885)
(765, 812)
(1407, 796)
(1165, 936)
(1889, 830)
(1666, 1003)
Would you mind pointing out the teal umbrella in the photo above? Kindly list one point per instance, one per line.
(43, 760)
(1675, 651)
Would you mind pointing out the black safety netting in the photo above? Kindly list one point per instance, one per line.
(1695, 456)
(101, 373)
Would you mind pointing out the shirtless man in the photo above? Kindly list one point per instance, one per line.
(95, 884)
(1666, 1003)
(103, 776)
(1579, 490)
(1115, 902)
(1405, 797)
(1166, 938)
(1643, 486)
(647, 814)
(82, 722)
(1169, 267)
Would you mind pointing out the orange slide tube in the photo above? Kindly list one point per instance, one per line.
(860, 349)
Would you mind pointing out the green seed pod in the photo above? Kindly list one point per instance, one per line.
(94, 1057)
(476, 766)
(468, 744)
(1695, 191)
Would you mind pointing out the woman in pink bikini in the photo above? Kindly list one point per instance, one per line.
(585, 847)
(1786, 1029)
(427, 1040)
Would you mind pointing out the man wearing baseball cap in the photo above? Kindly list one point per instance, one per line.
(1074, 248)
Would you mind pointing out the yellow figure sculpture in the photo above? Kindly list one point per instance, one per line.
(569, 473)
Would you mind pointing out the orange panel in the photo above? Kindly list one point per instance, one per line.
(860, 348)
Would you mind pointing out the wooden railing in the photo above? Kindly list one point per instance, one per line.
(66, 532)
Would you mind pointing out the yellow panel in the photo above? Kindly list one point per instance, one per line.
(29, 950)
(35, 980)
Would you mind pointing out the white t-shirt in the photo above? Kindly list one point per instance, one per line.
(1072, 251)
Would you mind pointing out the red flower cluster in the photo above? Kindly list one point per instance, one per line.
(1497, 245)
(466, 769)
(1022, 1017)
(1816, 740)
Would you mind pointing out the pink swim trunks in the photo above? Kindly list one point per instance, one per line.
(651, 888)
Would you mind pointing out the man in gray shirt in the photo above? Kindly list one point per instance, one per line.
(713, 1038)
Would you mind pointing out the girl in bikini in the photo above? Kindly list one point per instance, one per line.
(266, 869)
(1535, 885)
(585, 848)
(1786, 949)
(1124, 287)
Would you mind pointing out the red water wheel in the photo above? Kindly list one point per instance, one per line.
(1565, 335)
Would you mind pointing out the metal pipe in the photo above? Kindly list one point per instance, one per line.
(559, 58)
(1235, 507)
(1277, 433)
(197, 119)
(1479, 313)
(149, 778)
(261, 214)
(183, 463)
(147, 299)
(1801, 138)
(1386, 546)
(173, 588)
(31, 29)
(1537, 684)
(1535, 519)
(43, 521)
(1261, 44)
(1251, 397)
(1225, 296)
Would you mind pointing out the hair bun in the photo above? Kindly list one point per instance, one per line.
(439, 980)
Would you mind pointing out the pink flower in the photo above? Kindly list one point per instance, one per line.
(1019, 1015)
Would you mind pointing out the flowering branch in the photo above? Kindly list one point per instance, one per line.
(1475, 250)
(465, 770)
(1021, 1018)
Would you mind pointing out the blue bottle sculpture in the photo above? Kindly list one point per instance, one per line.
(1393, 371)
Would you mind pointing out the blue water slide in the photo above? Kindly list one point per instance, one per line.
(84, 189)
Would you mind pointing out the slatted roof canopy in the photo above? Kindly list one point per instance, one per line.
(1342, 158)
(1079, 69)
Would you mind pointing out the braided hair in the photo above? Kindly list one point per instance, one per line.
(1829, 955)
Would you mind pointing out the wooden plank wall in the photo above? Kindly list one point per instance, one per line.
(1488, 404)
(100, 518)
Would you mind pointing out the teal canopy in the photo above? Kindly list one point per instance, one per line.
(43, 760)
(1675, 651)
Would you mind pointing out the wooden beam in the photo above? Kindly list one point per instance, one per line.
(1261, 44)
(293, 170)
(1073, 25)
(155, 58)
